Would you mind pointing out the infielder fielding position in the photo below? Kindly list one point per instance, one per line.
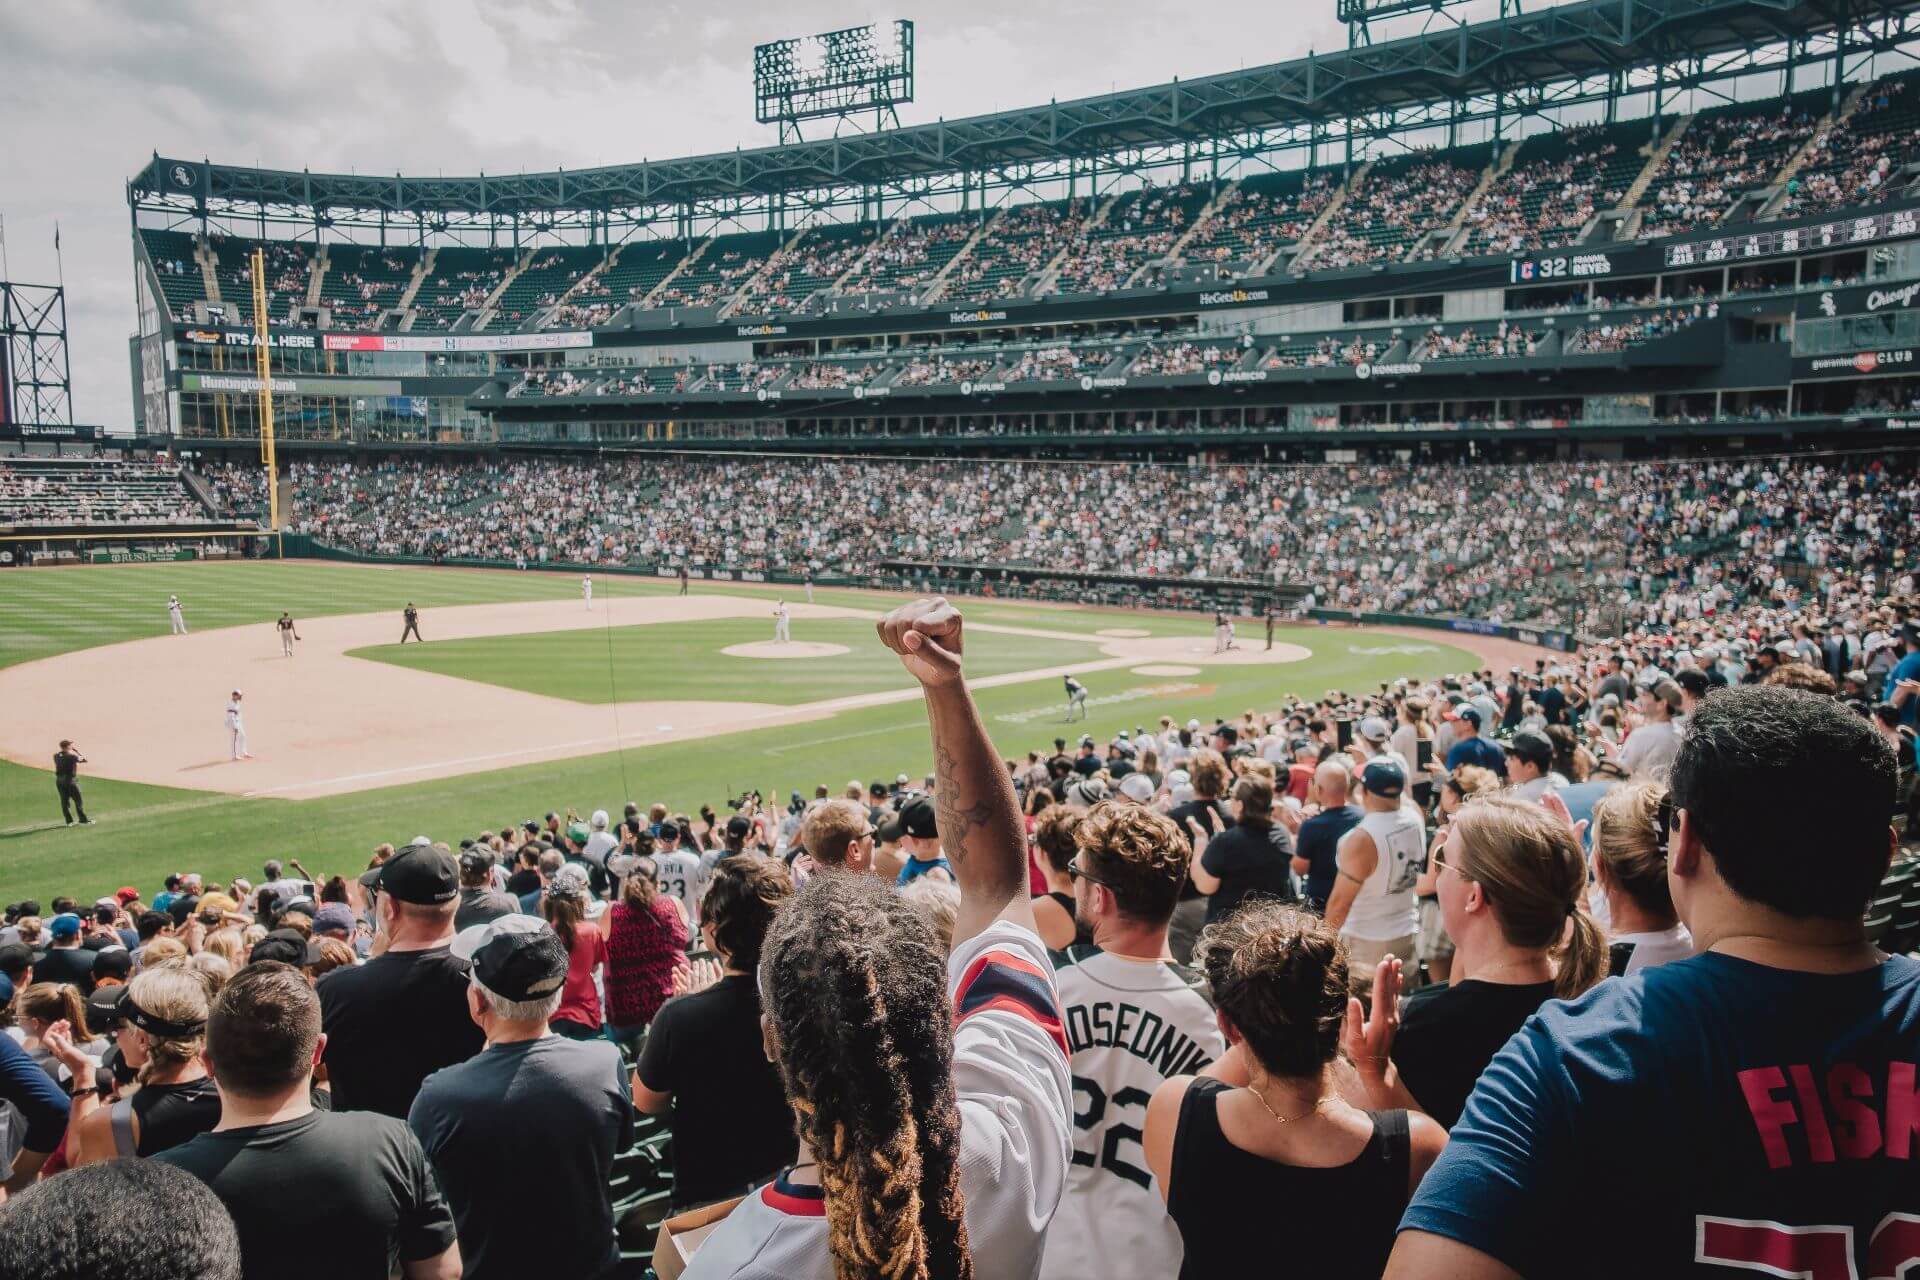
(287, 634)
(176, 619)
(412, 615)
(1076, 700)
(237, 728)
(586, 590)
(782, 632)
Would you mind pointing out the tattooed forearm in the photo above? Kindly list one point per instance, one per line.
(957, 818)
(974, 804)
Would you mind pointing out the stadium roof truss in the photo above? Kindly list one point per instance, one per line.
(1323, 109)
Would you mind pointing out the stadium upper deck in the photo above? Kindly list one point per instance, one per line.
(1338, 163)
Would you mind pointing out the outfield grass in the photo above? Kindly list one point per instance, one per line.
(144, 832)
(681, 661)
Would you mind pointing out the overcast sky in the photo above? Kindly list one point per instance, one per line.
(89, 89)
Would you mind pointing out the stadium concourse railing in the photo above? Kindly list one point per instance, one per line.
(1234, 591)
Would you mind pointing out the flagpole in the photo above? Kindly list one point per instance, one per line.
(6, 272)
(59, 262)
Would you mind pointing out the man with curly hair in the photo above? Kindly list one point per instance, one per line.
(1135, 1019)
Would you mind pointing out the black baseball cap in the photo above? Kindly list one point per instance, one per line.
(419, 874)
(1532, 747)
(914, 819)
(1383, 777)
(15, 957)
(516, 957)
(284, 945)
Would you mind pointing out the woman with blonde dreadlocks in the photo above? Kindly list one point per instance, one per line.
(931, 1095)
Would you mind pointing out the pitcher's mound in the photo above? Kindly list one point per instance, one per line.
(791, 649)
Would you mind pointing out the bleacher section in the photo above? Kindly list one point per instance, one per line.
(1264, 214)
(1557, 183)
(1395, 204)
(171, 253)
(1725, 153)
(287, 270)
(551, 273)
(363, 280)
(792, 276)
(1023, 241)
(912, 253)
(88, 493)
(1855, 164)
(1141, 228)
(727, 265)
(460, 282)
(642, 264)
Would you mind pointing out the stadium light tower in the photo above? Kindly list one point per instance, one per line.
(1359, 14)
(835, 75)
(36, 383)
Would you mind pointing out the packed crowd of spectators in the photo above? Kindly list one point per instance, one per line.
(1389, 210)
(1618, 336)
(1502, 542)
(1544, 204)
(1505, 342)
(1422, 962)
(1718, 159)
(1852, 164)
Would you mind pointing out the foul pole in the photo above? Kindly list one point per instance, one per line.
(263, 366)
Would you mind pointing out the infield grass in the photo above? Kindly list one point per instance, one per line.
(143, 832)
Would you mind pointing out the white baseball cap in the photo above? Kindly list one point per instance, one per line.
(1137, 787)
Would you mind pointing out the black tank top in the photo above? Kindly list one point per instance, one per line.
(172, 1113)
(1223, 1199)
(1081, 934)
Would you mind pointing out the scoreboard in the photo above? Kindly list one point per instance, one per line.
(1865, 229)
(1601, 261)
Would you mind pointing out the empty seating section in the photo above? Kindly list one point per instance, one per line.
(1725, 153)
(1557, 183)
(1019, 244)
(1855, 163)
(1397, 203)
(91, 494)
(1262, 215)
(287, 270)
(1142, 227)
(460, 281)
(362, 280)
(551, 273)
(791, 276)
(912, 253)
(171, 253)
(727, 265)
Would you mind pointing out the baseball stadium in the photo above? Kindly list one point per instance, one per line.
(1494, 437)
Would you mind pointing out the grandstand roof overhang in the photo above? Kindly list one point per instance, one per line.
(1518, 56)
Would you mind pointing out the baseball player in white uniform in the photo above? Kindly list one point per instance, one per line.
(237, 728)
(586, 590)
(176, 619)
(781, 629)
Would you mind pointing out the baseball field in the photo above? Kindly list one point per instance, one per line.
(522, 700)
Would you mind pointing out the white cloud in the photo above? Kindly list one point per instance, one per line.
(89, 88)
